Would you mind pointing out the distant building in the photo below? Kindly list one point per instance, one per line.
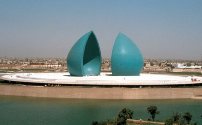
(183, 66)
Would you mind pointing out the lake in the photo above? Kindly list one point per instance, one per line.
(49, 111)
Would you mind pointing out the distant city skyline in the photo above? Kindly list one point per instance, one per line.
(162, 29)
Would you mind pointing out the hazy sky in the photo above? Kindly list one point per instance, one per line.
(49, 28)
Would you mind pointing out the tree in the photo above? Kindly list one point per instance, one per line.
(123, 115)
(188, 64)
(95, 123)
(153, 111)
(187, 116)
(176, 117)
(169, 121)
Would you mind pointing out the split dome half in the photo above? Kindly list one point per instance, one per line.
(84, 58)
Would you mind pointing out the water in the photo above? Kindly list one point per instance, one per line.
(43, 111)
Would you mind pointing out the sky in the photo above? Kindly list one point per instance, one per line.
(162, 29)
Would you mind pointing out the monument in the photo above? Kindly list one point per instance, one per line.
(84, 58)
(126, 59)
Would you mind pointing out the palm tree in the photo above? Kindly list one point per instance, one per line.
(187, 116)
(176, 117)
(153, 111)
(123, 115)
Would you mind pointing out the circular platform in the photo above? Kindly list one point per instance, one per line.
(104, 79)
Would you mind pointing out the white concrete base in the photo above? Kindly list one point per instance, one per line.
(104, 79)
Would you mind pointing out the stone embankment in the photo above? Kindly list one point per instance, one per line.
(101, 93)
(142, 122)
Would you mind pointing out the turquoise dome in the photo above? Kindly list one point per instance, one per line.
(84, 58)
(126, 58)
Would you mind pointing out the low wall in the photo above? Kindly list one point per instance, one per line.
(101, 93)
(141, 122)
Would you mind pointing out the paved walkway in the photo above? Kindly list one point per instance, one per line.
(104, 79)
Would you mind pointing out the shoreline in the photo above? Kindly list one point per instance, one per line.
(74, 92)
